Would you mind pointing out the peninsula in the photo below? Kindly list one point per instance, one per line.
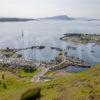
(5, 19)
(81, 38)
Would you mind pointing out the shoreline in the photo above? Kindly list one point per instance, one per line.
(81, 38)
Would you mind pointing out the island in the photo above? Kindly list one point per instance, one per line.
(59, 17)
(68, 18)
(81, 38)
(3, 19)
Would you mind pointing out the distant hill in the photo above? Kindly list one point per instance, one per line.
(60, 17)
(15, 19)
(87, 19)
(65, 17)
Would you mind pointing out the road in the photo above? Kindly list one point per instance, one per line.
(39, 75)
(65, 61)
(45, 70)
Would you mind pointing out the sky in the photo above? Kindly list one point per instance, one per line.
(45, 8)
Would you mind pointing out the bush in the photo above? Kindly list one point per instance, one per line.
(4, 85)
(3, 77)
(31, 94)
(29, 69)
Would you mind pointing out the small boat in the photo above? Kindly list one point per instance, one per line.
(22, 34)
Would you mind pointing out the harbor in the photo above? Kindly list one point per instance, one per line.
(62, 58)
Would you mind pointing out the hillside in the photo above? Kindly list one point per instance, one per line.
(74, 86)
(65, 17)
(60, 17)
(15, 19)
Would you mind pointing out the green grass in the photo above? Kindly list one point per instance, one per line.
(26, 74)
(79, 86)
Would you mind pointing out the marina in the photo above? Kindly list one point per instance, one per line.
(34, 50)
(61, 61)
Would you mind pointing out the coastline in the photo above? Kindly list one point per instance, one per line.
(81, 38)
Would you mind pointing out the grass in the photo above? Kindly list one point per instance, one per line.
(82, 38)
(26, 74)
(79, 86)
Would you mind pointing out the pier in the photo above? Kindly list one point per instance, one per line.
(68, 61)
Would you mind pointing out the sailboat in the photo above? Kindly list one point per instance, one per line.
(22, 34)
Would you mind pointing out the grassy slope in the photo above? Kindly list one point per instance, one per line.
(24, 74)
(79, 86)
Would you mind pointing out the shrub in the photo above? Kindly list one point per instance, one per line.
(4, 85)
(31, 94)
(3, 77)
(29, 69)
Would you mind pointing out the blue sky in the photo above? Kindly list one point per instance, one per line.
(43, 8)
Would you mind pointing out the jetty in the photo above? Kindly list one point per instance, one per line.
(78, 62)
(19, 49)
(54, 67)
(65, 62)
